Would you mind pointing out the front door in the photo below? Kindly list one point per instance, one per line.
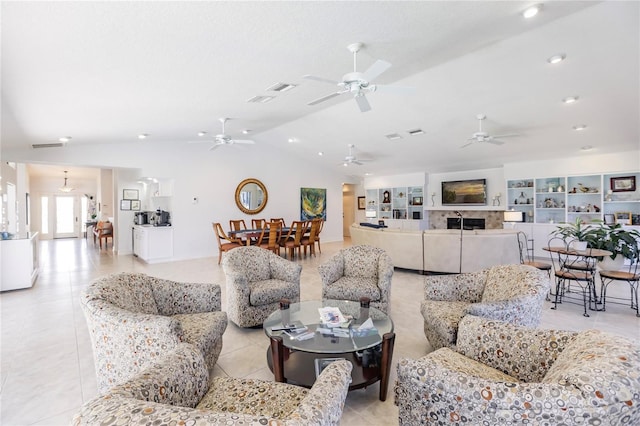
(66, 216)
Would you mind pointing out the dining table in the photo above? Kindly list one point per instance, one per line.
(248, 234)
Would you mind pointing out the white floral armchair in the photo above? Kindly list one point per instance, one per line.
(176, 390)
(512, 293)
(358, 271)
(257, 279)
(134, 318)
(506, 374)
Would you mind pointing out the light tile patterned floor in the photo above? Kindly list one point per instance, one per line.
(46, 360)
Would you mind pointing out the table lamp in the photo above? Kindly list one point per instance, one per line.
(512, 217)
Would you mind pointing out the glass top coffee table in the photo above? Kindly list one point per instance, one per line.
(297, 361)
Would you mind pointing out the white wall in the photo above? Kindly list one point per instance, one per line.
(212, 176)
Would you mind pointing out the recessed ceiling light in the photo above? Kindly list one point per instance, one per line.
(393, 136)
(291, 140)
(280, 87)
(415, 132)
(579, 127)
(246, 131)
(321, 153)
(532, 11)
(346, 165)
(587, 148)
(570, 99)
(557, 58)
(202, 133)
(368, 174)
(65, 139)
(143, 135)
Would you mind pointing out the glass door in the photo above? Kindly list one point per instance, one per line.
(66, 217)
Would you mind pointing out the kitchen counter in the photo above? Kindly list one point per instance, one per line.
(153, 243)
(19, 261)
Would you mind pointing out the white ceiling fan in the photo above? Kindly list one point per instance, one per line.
(351, 159)
(224, 139)
(482, 136)
(358, 83)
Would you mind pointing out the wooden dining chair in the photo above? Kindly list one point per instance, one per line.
(225, 243)
(258, 223)
(318, 234)
(279, 219)
(291, 242)
(273, 241)
(310, 240)
(238, 225)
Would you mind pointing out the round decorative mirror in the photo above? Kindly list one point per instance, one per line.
(251, 196)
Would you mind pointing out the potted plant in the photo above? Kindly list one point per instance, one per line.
(577, 234)
(621, 242)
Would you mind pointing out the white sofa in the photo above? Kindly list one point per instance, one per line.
(438, 250)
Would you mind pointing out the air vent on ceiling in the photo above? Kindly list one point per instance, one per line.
(393, 136)
(261, 99)
(415, 132)
(280, 87)
(47, 145)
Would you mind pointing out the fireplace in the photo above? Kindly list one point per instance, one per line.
(470, 223)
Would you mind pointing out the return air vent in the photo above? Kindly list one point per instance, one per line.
(280, 87)
(415, 132)
(393, 136)
(261, 99)
(47, 145)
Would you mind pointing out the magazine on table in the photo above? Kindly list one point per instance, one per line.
(331, 316)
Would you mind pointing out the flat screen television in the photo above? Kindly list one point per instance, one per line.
(464, 192)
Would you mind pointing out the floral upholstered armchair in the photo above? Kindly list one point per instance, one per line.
(358, 271)
(176, 390)
(512, 293)
(134, 318)
(257, 279)
(506, 374)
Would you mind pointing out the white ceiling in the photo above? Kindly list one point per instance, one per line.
(103, 72)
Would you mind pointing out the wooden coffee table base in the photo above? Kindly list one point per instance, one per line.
(298, 367)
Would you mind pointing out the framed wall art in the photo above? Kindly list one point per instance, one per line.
(130, 194)
(623, 184)
(125, 204)
(135, 205)
(361, 203)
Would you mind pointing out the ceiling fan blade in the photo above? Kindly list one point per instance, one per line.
(493, 141)
(505, 136)
(320, 79)
(325, 98)
(467, 144)
(400, 90)
(215, 146)
(246, 141)
(376, 69)
(358, 162)
(202, 141)
(363, 103)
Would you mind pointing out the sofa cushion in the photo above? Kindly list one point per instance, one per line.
(361, 262)
(127, 291)
(202, 330)
(270, 291)
(442, 319)
(353, 288)
(604, 367)
(248, 396)
(508, 282)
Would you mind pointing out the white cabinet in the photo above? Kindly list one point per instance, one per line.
(153, 244)
(19, 262)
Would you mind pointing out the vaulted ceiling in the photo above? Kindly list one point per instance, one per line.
(104, 72)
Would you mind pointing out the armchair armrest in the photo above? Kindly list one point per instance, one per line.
(332, 270)
(119, 321)
(442, 392)
(526, 347)
(466, 287)
(185, 298)
(282, 269)
(325, 401)
(184, 368)
(385, 274)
